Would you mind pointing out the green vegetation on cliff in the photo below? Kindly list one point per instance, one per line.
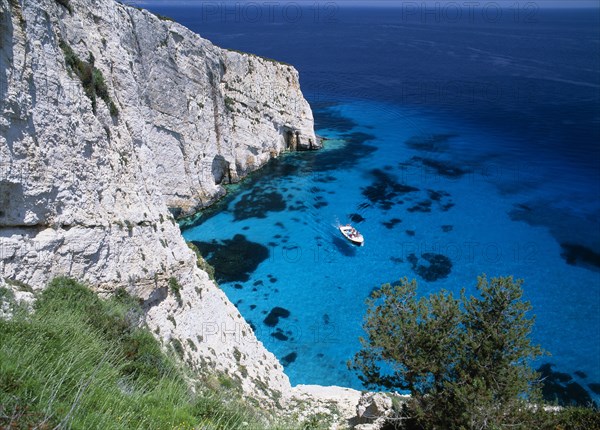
(90, 76)
(81, 362)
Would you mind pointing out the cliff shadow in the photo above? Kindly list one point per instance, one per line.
(6, 49)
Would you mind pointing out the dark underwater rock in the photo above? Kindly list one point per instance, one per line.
(430, 266)
(579, 255)
(344, 157)
(273, 318)
(357, 218)
(289, 359)
(430, 142)
(422, 206)
(442, 168)
(391, 223)
(257, 203)
(437, 195)
(385, 189)
(595, 387)
(234, 259)
(559, 387)
(279, 335)
(332, 119)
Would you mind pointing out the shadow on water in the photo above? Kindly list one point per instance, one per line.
(344, 247)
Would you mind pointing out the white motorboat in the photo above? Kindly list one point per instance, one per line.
(352, 234)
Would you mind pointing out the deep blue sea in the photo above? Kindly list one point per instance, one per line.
(461, 142)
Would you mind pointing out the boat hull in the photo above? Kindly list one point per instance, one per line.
(356, 238)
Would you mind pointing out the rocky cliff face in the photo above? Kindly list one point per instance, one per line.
(88, 193)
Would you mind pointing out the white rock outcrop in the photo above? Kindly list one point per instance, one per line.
(338, 404)
(372, 410)
(91, 196)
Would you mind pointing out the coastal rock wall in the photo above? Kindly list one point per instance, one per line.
(89, 192)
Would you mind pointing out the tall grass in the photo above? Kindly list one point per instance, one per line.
(83, 363)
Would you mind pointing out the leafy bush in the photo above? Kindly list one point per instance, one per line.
(164, 18)
(571, 418)
(229, 103)
(201, 262)
(21, 286)
(6, 294)
(112, 108)
(465, 362)
(175, 288)
(92, 79)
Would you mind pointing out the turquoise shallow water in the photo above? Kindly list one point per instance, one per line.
(438, 200)
(471, 144)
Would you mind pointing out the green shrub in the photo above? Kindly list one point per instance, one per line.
(229, 103)
(6, 294)
(237, 354)
(92, 79)
(175, 288)
(192, 345)
(164, 18)
(570, 418)
(201, 262)
(465, 362)
(227, 382)
(112, 107)
(22, 286)
(177, 347)
(574, 418)
(172, 319)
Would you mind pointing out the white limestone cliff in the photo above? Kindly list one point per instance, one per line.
(89, 195)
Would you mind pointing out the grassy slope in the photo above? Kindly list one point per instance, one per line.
(80, 362)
